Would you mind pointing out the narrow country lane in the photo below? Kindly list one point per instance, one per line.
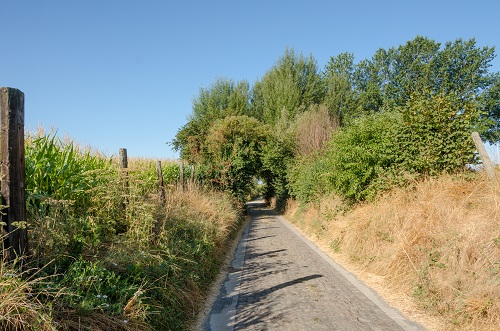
(278, 280)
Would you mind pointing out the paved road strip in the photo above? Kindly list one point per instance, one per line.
(371, 295)
(279, 280)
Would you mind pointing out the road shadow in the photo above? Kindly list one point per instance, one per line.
(253, 310)
(260, 238)
(257, 304)
(260, 203)
(264, 277)
(270, 253)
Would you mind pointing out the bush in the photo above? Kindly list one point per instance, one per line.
(430, 135)
(435, 134)
(306, 177)
(359, 154)
(313, 128)
(234, 146)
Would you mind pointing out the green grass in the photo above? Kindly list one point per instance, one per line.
(106, 254)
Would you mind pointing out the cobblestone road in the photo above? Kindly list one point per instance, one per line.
(280, 281)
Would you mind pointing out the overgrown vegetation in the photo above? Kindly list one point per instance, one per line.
(436, 241)
(106, 254)
(356, 131)
(407, 112)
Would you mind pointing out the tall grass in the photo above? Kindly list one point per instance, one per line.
(112, 254)
(62, 183)
(21, 305)
(437, 242)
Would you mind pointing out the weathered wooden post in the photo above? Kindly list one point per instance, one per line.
(488, 165)
(13, 172)
(161, 187)
(181, 175)
(124, 174)
(123, 158)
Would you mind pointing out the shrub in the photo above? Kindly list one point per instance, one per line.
(306, 177)
(234, 147)
(360, 153)
(435, 134)
(430, 135)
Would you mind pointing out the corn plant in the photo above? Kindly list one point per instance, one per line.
(113, 252)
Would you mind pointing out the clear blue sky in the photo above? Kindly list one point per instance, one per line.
(120, 73)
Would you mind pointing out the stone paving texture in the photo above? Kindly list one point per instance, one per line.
(281, 283)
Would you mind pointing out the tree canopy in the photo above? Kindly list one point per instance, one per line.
(222, 99)
(407, 110)
(233, 157)
(288, 88)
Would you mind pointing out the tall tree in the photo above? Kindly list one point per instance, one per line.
(289, 88)
(410, 68)
(338, 78)
(368, 85)
(421, 66)
(490, 105)
(292, 84)
(223, 98)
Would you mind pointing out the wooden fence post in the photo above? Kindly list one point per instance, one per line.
(124, 174)
(161, 186)
(488, 165)
(123, 158)
(181, 175)
(13, 172)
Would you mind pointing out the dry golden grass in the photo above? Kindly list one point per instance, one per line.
(212, 215)
(20, 308)
(313, 128)
(437, 242)
(213, 210)
(72, 321)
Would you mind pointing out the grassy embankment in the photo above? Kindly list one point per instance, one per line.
(436, 244)
(106, 254)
